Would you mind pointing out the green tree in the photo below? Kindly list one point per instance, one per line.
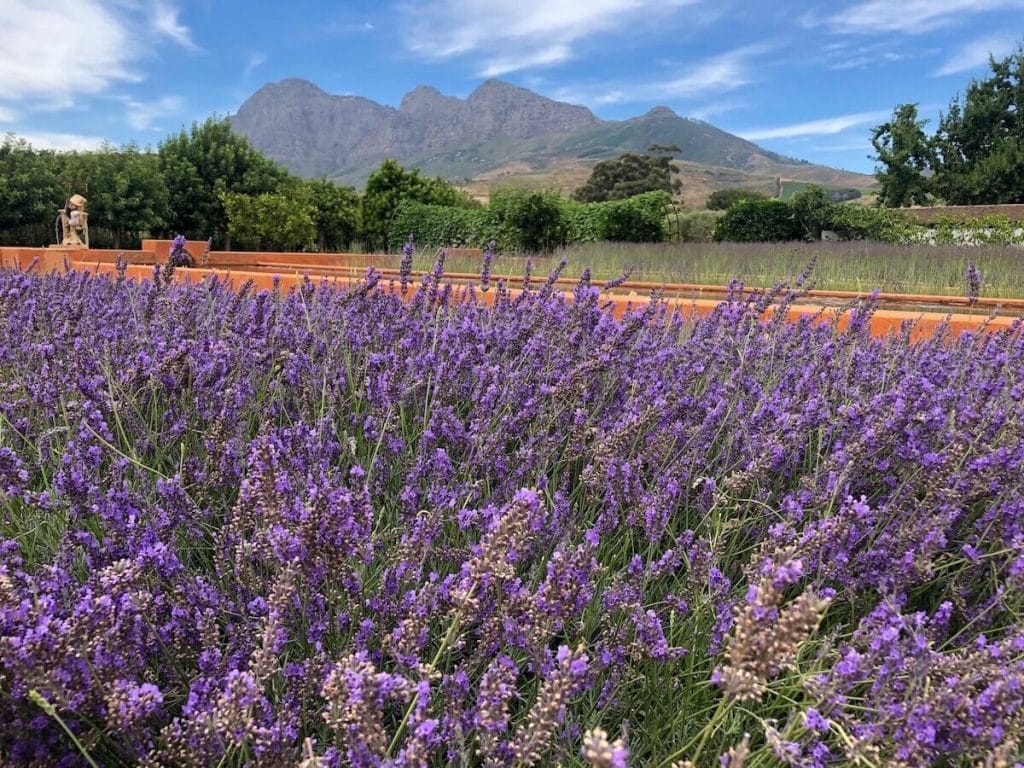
(391, 185)
(336, 214)
(531, 221)
(201, 166)
(125, 190)
(272, 221)
(627, 175)
(980, 141)
(906, 155)
(758, 221)
(30, 191)
(813, 211)
(724, 199)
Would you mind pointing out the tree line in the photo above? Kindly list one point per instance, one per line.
(211, 183)
(204, 183)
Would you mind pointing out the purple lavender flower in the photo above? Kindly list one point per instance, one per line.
(485, 269)
(405, 266)
(178, 256)
(973, 277)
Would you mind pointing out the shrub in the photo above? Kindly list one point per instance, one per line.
(758, 221)
(638, 219)
(440, 225)
(724, 199)
(695, 226)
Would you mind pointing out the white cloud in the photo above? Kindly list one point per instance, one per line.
(908, 16)
(145, 115)
(975, 54)
(62, 142)
(255, 60)
(725, 72)
(711, 109)
(39, 61)
(500, 65)
(826, 127)
(164, 20)
(540, 32)
(7, 115)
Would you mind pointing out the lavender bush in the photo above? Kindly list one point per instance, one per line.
(332, 528)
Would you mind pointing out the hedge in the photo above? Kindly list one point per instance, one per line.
(532, 221)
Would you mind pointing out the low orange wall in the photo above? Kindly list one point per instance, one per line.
(347, 269)
(881, 323)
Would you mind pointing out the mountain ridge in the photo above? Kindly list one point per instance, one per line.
(343, 137)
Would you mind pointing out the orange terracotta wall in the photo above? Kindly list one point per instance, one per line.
(882, 322)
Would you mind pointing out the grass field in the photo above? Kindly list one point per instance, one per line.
(854, 266)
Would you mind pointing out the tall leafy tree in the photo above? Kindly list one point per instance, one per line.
(391, 185)
(627, 175)
(980, 139)
(336, 214)
(906, 156)
(975, 157)
(201, 166)
(272, 221)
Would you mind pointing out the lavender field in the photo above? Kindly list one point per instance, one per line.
(336, 528)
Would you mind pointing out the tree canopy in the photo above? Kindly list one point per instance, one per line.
(976, 155)
(201, 166)
(626, 176)
(391, 185)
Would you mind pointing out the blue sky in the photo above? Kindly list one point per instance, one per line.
(808, 79)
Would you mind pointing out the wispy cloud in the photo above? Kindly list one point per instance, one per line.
(908, 16)
(164, 20)
(718, 74)
(975, 54)
(7, 115)
(62, 142)
(552, 54)
(147, 115)
(825, 127)
(36, 62)
(540, 32)
(714, 108)
(256, 59)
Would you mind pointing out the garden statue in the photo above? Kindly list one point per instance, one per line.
(74, 223)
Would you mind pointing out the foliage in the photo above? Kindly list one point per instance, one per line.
(125, 189)
(813, 211)
(724, 199)
(976, 155)
(390, 186)
(807, 214)
(627, 176)
(272, 222)
(529, 221)
(200, 167)
(532, 221)
(906, 154)
(334, 528)
(752, 221)
(30, 188)
(336, 215)
(434, 226)
(638, 219)
(695, 226)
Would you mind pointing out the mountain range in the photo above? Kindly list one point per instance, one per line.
(499, 134)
